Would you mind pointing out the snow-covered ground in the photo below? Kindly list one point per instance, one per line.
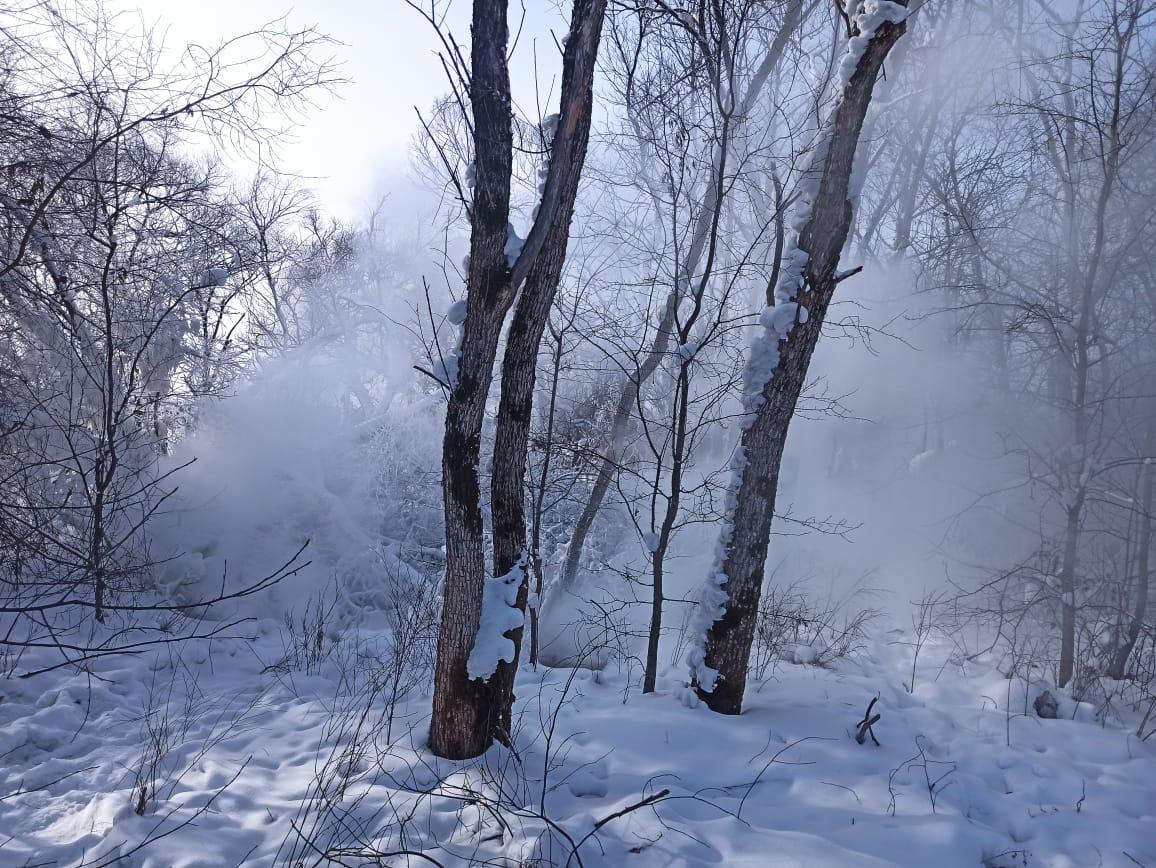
(958, 779)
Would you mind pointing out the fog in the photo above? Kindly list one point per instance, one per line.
(600, 433)
(904, 474)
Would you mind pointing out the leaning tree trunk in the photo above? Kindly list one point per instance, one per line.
(609, 462)
(472, 701)
(730, 602)
(520, 362)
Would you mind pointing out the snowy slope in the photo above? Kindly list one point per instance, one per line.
(956, 781)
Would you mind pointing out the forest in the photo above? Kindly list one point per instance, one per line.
(729, 441)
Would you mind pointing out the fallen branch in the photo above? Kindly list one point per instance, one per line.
(868, 721)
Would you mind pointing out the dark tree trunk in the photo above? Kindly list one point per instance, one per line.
(465, 711)
(728, 640)
(666, 528)
(537, 568)
(469, 713)
(654, 634)
(1067, 665)
(520, 362)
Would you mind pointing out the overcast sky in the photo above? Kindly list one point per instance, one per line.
(353, 145)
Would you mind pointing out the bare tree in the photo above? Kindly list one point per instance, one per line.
(1143, 574)
(1043, 192)
(110, 246)
(778, 365)
(736, 91)
(472, 700)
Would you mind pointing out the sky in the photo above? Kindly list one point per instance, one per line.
(352, 146)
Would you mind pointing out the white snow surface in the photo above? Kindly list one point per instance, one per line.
(783, 784)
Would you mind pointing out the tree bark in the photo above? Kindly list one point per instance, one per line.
(728, 639)
(520, 362)
(465, 711)
(537, 570)
(469, 713)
